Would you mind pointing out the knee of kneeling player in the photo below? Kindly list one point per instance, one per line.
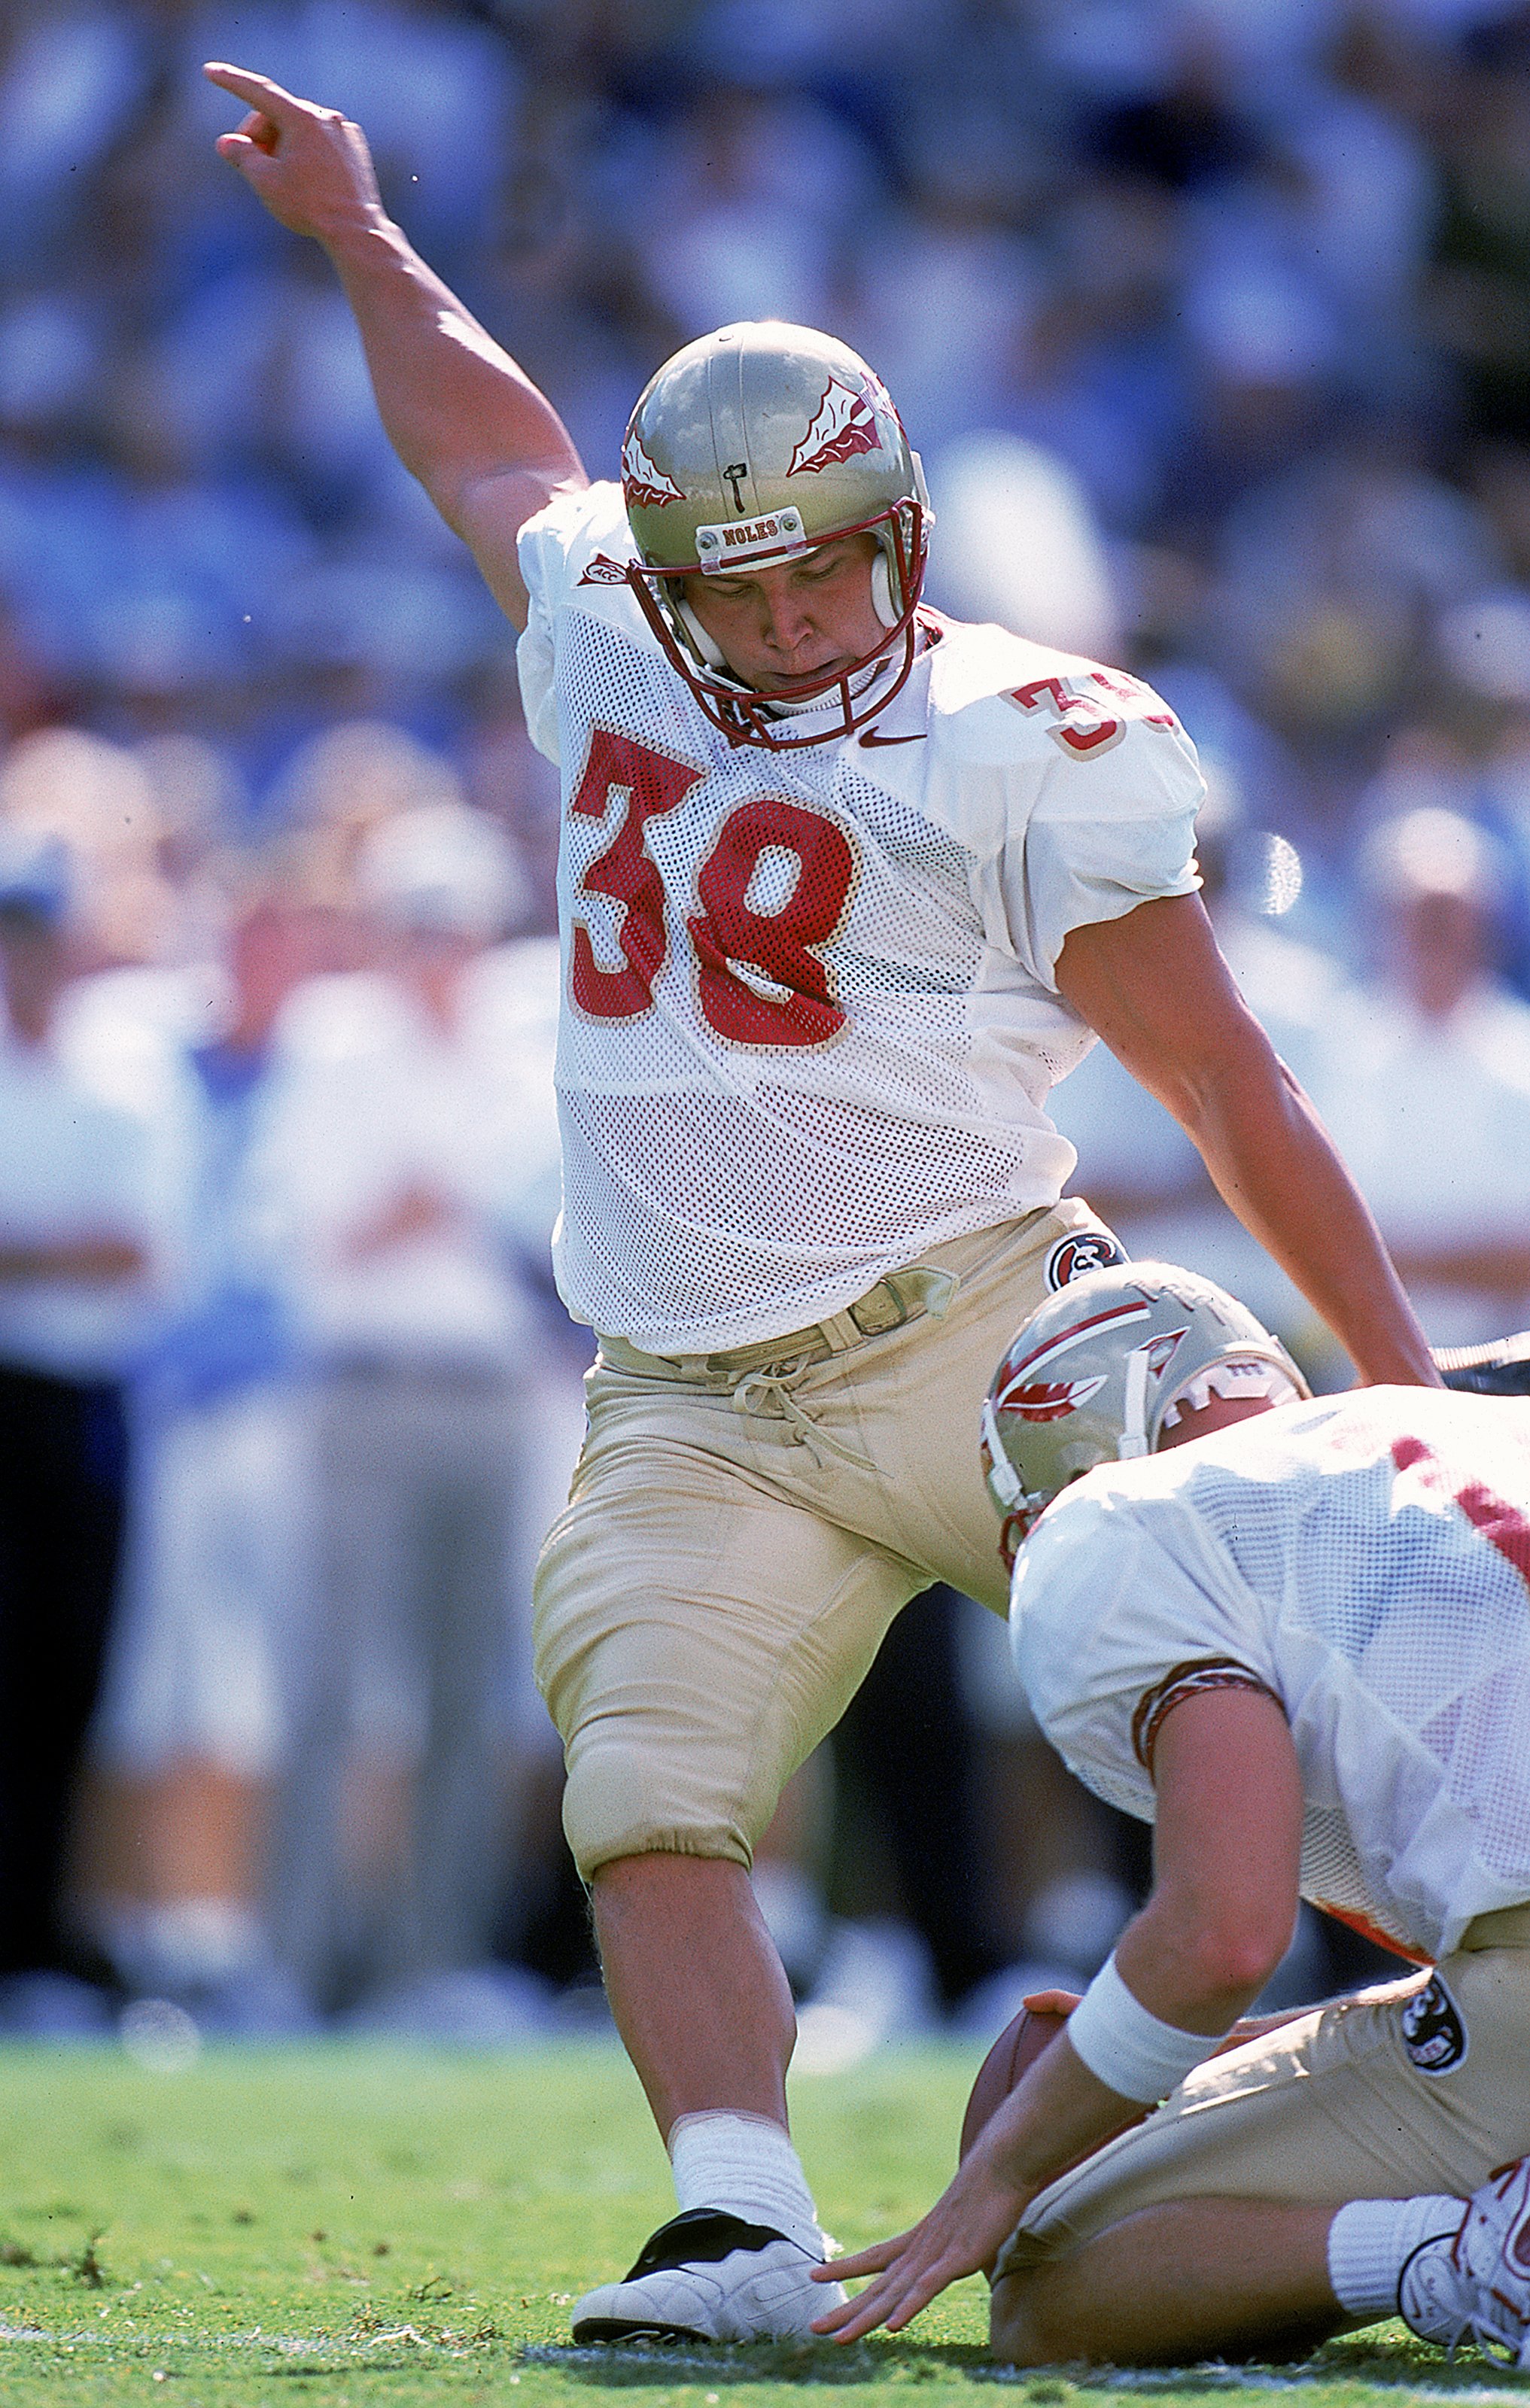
(1044, 2316)
(623, 1798)
(1019, 2333)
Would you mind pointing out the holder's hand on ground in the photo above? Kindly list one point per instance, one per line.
(309, 166)
(962, 2234)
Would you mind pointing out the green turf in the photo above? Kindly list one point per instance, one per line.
(339, 2225)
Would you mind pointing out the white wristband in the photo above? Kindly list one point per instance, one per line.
(1127, 2048)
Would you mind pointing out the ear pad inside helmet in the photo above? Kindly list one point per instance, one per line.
(699, 637)
(882, 590)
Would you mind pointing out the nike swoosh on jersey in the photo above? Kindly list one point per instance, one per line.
(871, 736)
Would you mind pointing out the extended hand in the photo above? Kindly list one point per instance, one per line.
(962, 2234)
(309, 166)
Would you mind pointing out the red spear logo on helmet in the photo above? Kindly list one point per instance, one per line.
(843, 424)
(643, 482)
(1047, 1400)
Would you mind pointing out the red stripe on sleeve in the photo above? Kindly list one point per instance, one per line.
(1505, 1526)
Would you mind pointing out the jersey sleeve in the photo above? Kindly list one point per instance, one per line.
(1114, 1599)
(579, 539)
(1108, 830)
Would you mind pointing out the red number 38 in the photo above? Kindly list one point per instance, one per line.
(727, 929)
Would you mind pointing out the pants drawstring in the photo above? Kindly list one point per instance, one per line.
(776, 1383)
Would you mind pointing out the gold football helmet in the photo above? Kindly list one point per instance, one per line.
(751, 447)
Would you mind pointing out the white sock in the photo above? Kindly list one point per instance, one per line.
(747, 2165)
(1371, 2240)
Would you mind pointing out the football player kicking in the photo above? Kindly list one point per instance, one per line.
(843, 889)
(1300, 1648)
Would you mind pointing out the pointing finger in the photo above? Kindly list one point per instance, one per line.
(259, 92)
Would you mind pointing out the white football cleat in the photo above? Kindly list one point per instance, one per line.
(1476, 2285)
(706, 2275)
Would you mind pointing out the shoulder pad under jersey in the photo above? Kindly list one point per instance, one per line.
(996, 698)
(575, 552)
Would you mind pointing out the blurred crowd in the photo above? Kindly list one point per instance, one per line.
(1211, 319)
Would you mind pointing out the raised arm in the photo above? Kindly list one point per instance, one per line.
(487, 447)
(1155, 987)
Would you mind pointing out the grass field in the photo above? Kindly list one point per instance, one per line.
(344, 2224)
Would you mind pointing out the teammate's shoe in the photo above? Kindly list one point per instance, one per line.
(1477, 2286)
(707, 2275)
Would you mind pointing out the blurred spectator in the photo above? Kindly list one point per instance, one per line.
(97, 799)
(417, 1158)
(197, 1704)
(1502, 805)
(1019, 547)
(752, 197)
(74, 1258)
(1481, 284)
(1332, 575)
(1426, 1085)
(1190, 250)
(337, 788)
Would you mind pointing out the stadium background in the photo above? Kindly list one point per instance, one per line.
(1213, 323)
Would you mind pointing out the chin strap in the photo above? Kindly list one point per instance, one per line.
(882, 600)
(697, 633)
(1003, 1480)
(857, 685)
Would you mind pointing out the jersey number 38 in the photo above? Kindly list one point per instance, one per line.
(726, 930)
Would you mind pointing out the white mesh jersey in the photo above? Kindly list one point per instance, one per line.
(1366, 1559)
(809, 1018)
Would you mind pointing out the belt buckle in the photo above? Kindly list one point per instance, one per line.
(878, 1311)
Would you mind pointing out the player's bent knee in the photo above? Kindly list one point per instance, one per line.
(1016, 2335)
(622, 1799)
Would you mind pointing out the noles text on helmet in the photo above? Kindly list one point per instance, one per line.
(1113, 1366)
(749, 449)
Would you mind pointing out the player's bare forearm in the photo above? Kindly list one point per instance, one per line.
(455, 404)
(1057, 2115)
(1155, 987)
(1276, 1167)
(486, 444)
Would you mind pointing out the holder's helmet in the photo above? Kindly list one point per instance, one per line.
(1100, 1371)
(751, 447)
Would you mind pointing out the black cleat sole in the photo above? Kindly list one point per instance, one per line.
(624, 2328)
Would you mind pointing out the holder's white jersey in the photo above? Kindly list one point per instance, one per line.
(1366, 1559)
(809, 1016)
